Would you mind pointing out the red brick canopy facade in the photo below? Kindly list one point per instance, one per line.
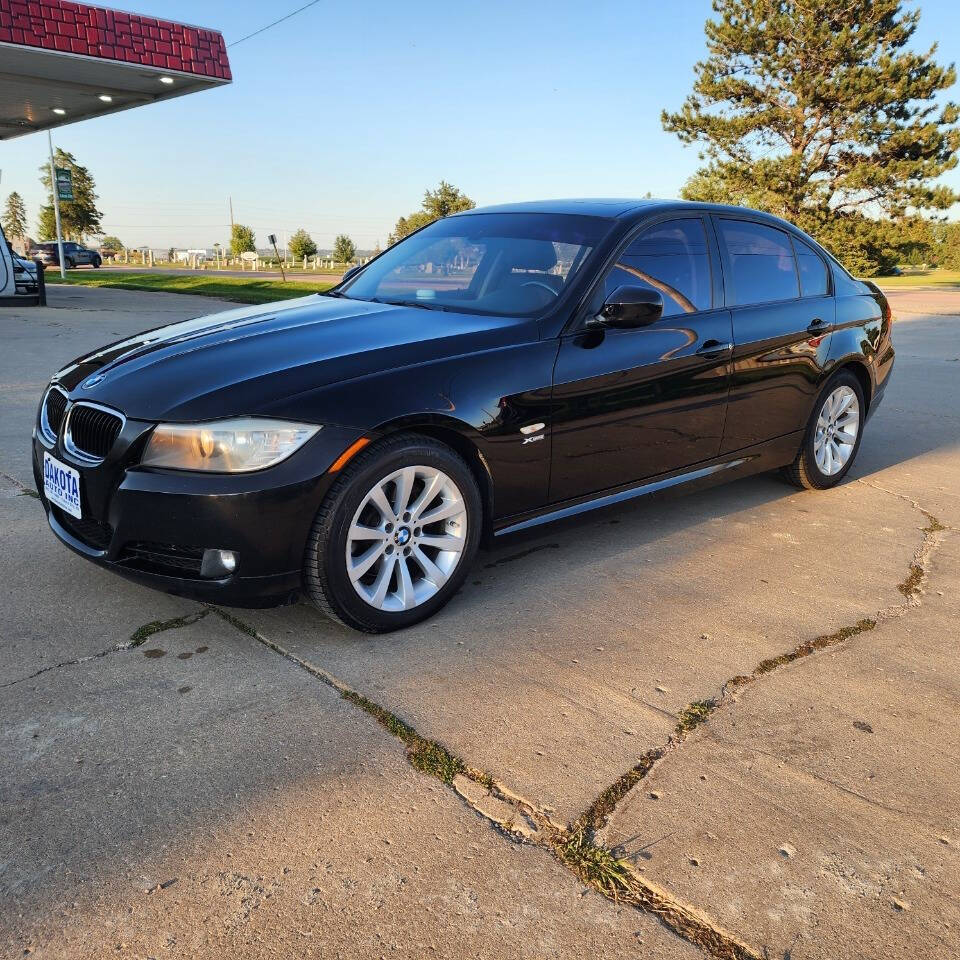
(59, 25)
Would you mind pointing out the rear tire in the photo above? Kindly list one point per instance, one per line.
(832, 439)
(375, 560)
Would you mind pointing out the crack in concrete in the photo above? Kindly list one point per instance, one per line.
(524, 821)
(595, 818)
(576, 846)
(137, 638)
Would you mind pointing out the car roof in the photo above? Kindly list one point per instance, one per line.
(597, 207)
(625, 209)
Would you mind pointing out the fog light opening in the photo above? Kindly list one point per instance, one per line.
(218, 563)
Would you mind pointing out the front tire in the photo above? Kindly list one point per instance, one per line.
(833, 435)
(395, 536)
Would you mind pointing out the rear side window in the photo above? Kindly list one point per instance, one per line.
(671, 257)
(761, 261)
(813, 271)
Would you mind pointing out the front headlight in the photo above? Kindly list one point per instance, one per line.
(225, 446)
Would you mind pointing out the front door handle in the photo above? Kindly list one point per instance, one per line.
(713, 348)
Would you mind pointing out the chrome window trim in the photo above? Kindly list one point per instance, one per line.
(79, 455)
(47, 436)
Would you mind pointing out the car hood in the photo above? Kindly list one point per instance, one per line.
(253, 360)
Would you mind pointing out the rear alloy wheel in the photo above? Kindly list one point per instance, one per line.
(395, 537)
(833, 435)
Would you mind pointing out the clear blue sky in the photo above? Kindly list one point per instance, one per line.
(338, 119)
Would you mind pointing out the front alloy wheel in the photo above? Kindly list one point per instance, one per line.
(406, 538)
(395, 536)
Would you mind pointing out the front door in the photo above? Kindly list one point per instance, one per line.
(632, 404)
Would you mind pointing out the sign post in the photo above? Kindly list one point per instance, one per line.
(55, 184)
(273, 239)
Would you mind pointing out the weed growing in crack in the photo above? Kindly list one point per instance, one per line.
(811, 646)
(595, 817)
(594, 865)
(911, 586)
(27, 492)
(693, 714)
(428, 756)
(144, 633)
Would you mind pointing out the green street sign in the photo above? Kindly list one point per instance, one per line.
(64, 183)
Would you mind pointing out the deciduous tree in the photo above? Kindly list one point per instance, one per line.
(821, 111)
(242, 239)
(344, 249)
(443, 201)
(302, 245)
(79, 217)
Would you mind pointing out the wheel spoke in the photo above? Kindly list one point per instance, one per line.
(404, 484)
(382, 583)
(444, 511)
(405, 584)
(430, 570)
(379, 499)
(429, 493)
(846, 436)
(360, 532)
(454, 544)
(844, 401)
(365, 561)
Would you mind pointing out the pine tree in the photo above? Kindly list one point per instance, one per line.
(14, 218)
(820, 112)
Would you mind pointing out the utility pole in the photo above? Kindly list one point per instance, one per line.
(231, 214)
(56, 208)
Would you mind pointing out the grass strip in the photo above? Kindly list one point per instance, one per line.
(238, 289)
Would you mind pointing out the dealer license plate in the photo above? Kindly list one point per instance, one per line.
(61, 485)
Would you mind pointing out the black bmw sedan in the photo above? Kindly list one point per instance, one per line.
(499, 369)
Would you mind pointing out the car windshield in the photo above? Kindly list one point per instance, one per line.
(504, 264)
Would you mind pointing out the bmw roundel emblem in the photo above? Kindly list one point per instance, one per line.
(93, 381)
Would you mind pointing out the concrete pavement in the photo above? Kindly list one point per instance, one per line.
(289, 821)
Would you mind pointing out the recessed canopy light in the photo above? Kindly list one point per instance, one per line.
(106, 98)
(59, 111)
(166, 80)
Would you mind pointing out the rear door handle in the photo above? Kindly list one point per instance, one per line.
(713, 348)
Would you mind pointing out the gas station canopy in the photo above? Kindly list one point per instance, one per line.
(61, 62)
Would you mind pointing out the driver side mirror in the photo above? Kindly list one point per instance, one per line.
(628, 307)
(353, 271)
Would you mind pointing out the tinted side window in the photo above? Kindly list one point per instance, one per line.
(671, 257)
(813, 271)
(761, 260)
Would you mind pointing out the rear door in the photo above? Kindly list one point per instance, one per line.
(780, 330)
(631, 404)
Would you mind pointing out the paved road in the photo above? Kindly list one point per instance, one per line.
(211, 791)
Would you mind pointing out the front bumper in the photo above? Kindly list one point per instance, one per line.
(151, 526)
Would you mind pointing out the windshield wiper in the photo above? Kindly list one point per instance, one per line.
(334, 293)
(410, 303)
